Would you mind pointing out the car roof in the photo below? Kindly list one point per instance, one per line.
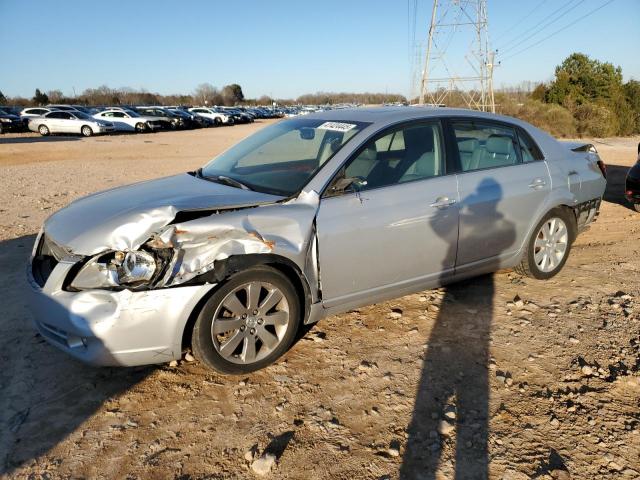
(384, 115)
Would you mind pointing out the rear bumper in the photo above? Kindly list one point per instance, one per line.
(112, 328)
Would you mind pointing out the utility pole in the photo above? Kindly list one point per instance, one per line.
(458, 63)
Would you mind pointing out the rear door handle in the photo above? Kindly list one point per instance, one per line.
(537, 183)
(443, 202)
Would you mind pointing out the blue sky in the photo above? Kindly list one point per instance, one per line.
(282, 48)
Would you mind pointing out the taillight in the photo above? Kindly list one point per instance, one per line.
(603, 168)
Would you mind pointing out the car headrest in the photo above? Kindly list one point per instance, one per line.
(499, 144)
(369, 153)
(418, 140)
(468, 145)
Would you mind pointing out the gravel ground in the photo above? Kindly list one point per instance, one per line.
(500, 376)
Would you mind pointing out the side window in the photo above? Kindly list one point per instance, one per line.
(411, 152)
(118, 114)
(56, 115)
(66, 116)
(485, 145)
(529, 151)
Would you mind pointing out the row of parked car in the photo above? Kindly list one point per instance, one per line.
(89, 121)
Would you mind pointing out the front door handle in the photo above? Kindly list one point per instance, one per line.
(443, 202)
(537, 183)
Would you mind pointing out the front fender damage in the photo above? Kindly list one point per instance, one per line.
(285, 229)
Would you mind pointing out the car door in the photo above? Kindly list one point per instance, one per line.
(502, 190)
(68, 123)
(394, 229)
(55, 121)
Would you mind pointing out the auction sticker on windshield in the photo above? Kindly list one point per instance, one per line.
(336, 126)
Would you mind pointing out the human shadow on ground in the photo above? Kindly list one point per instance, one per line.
(46, 395)
(452, 399)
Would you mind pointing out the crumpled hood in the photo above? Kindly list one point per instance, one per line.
(123, 218)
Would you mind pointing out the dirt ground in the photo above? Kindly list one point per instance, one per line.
(500, 376)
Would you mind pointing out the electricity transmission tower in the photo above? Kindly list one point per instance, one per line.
(458, 62)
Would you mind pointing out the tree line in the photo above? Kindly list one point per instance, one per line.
(203, 94)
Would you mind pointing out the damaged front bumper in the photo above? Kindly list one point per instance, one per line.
(112, 328)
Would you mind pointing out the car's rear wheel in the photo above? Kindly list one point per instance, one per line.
(141, 127)
(1, 129)
(217, 122)
(43, 130)
(248, 323)
(86, 131)
(637, 207)
(549, 245)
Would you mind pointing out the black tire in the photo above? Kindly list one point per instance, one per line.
(43, 130)
(86, 131)
(637, 207)
(141, 127)
(1, 129)
(202, 342)
(217, 122)
(528, 265)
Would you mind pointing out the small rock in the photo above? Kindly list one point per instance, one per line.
(173, 363)
(393, 452)
(554, 421)
(574, 340)
(264, 464)
(587, 370)
(189, 358)
(559, 474)
(518, 302)
(395, 315)
(445, 428)
(365, 365)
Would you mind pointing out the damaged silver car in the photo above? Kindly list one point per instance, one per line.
(306, 218)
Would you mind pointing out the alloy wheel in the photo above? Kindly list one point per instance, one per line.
(551, 244)
(250, 322)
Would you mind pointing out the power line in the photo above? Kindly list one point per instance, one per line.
(560, 29)
(542, 24)
(519, 22)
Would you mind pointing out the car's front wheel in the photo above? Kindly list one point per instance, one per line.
(86, 131)
(247, 323)
(637, 207)
(43, 130)
(141, 127)
(549, 245)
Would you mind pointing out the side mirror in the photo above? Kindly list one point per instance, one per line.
(348, 184)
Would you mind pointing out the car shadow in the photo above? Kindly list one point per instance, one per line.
(452, 399)
(47, 139)
(614, 193)
(46, 395)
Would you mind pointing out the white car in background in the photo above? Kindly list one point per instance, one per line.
(35, 111)
(218, 117)
(128, 120)
(60, 121)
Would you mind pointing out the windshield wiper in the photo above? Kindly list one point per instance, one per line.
(232, 182)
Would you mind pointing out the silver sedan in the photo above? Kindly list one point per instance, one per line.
(309, 217)
(59, 121)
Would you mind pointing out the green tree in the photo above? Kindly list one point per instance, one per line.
(232, 94)
(40, 98)
(632, 93)
(3, 99)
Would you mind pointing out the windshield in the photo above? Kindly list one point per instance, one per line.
(280, 159)
(131, 113)
(81, 115)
